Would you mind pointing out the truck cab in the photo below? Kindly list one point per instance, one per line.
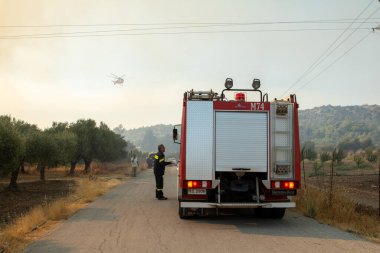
(237, 153)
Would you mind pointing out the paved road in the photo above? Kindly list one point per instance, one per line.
(130, 219)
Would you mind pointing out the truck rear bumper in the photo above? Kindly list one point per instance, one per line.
(237, 205)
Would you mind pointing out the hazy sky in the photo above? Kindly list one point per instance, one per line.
(63, 79)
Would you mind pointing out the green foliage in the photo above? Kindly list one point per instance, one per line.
(42, 149)
(308, 153)
(359, 160)
(67, 143)
(317, 169)
(10, 145)
(356, 144)
(339, 155)
(66, 140)
(86, 133)
(111, 146)
(371, 155)
(355, 127)
(60, 144)
(324, 157)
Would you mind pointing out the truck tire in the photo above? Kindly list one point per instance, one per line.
(278, 213)
(270, 213)
(182, 212)
(265, 213)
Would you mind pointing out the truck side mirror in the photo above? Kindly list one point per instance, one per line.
(175, 134)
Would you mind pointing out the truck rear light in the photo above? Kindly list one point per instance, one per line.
(284, 184)
(190, 184)
(197, 184)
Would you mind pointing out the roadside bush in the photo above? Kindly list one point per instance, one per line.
(359, 160)
(371, 155)
(317, 166)
(324, 157)
(342, 212)
(340, 155)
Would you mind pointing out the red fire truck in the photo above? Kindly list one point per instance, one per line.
(237, 153)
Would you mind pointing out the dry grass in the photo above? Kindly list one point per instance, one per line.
(340, 212)
(17, 235)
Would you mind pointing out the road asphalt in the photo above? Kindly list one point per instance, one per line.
(129, 219)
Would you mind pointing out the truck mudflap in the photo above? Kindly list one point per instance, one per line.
(237, 205)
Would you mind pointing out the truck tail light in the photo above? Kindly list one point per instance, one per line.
(284, 184)
(190, 184)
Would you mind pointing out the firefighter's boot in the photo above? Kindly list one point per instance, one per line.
(162, 198)
(160, 195)
(157, 196)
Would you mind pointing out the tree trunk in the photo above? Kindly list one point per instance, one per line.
(41, 168)
(22, 168)
(14, 176)
(87, 166)
(72, 168)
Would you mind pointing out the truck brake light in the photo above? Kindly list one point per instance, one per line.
(197, 184)
(284, 184)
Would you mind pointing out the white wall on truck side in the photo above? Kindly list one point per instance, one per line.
(199, 140)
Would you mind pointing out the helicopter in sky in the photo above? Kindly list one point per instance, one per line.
(117, 80)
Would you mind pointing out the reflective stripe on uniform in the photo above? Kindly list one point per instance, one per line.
(156, 157)
(162, 160)
(158, 189)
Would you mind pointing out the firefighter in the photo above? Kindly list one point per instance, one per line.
(159, 171)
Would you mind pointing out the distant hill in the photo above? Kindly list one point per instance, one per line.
(147, 138)
(331, 125)
(353, 126)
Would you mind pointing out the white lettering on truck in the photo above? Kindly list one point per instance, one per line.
(257, 106)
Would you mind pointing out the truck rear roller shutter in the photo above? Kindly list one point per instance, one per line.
(241, 141)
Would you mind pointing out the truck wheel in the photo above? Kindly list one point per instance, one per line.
(264, 212)
(278, 213)
(182, 212)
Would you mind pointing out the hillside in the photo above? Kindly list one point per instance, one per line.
(331, 125)
(147, 138)
(325, 126)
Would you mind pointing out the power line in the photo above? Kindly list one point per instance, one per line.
(335, 61)
(344, 40)
(48, 35)
(171, 33)
(190, 23)
(318, 61)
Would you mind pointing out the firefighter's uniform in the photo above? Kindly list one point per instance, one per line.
(159, 171)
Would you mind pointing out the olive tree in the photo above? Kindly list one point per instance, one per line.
(43, 150)
(67, 142)
(86, 132)
(23, 130)
(10, 146)
(111, 146)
